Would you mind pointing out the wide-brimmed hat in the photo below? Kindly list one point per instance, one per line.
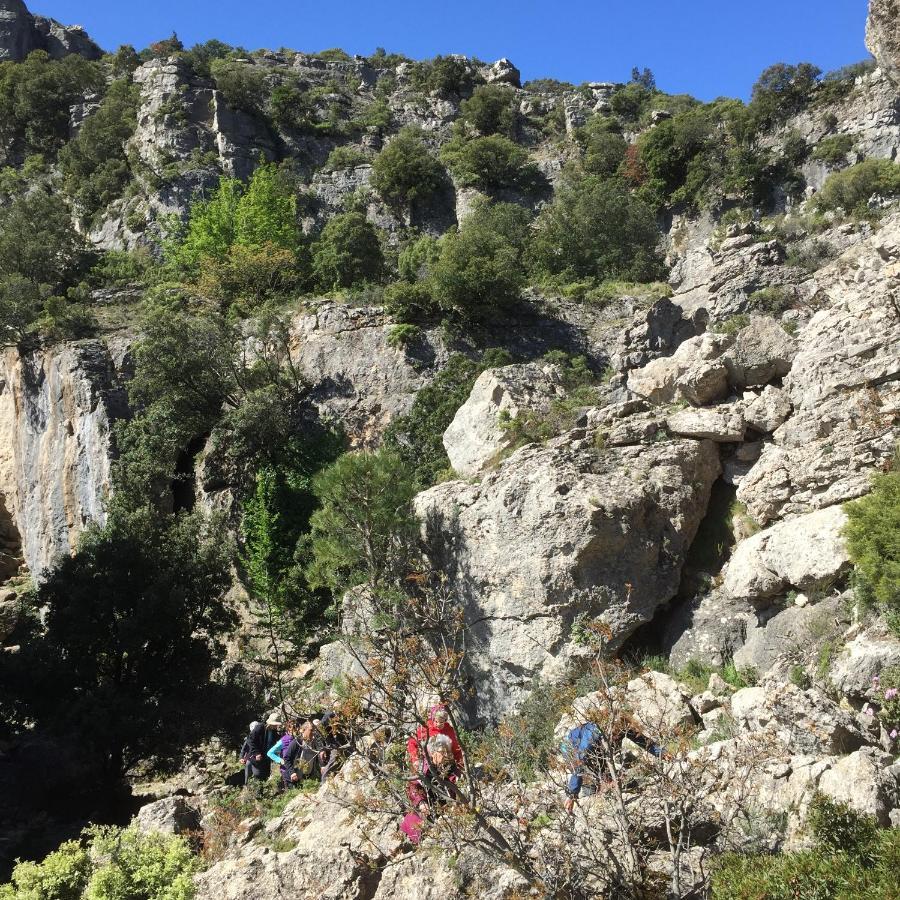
(274, 720)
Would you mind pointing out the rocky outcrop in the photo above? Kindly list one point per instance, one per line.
(57, 407)
(857, 668)
(843, 386)
(561, 532)
(21, 32)
(883, 33)
(171, 815)
(477, 434)
(358, 377)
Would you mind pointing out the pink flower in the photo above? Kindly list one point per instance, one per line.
(869, 711)
(875, 681)
(890, 693)
(894, 735)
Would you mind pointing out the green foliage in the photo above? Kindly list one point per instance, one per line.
(772, 301)
(491, 110)
(739, 678)
(401, 336)
(630, 101)
(210, 230)
(346, 157)
(267, 211)
(417, 436)
(490, 163)
(347, 253)
(117, 864)
(783, 90)
(21, 302)
(852, 860)
(63, 875)
(446, 76)
(35, 98)
(873, 542)
(408, 302)
(416, 257)
(334, 54)
(201, 56)
(852, 188)
(596, 228)
(248, 277)
(602, 147)
(834, 149)
(363, 532)
(123, 669)
(405, 172)
(480, 268)
(242, 85)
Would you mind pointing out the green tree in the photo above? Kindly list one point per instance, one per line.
(21, 303)
(491, 110)
(405, 172)
(602, 147)
(211, 227)
(364, 531)
(124, 665)
(873, 542)
(490, 163)
(480, 268)
(242, 84)
(596, 228)
(781, 91)
(347, 253)
(94, 165)
(852, 188)
(267, 211)
(417, 437)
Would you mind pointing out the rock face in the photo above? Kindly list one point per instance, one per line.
(883, 33)
(56, 410)
(476, 434)
(561, 531)
(173, 815)
(20, 33)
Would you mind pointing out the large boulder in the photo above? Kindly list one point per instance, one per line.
(762, 350)
(476, 435)
(883, 34)
(560, 532)
(862, 660)
(806, 553)
(171, 815)
(843, 384)
(866, 782)
(724, 423)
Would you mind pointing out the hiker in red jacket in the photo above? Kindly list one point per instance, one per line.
(438, 723)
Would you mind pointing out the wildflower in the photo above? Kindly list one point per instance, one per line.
(869, 711)
(894, 735)
(875, 681)
(891, 693)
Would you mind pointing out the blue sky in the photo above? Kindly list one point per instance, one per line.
(707, 48)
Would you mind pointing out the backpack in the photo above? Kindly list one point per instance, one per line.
(580, 743)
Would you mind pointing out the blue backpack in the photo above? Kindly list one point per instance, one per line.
(581, 742)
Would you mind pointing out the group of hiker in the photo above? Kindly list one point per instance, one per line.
(304, 748)
(311, 747)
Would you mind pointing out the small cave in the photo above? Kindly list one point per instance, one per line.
(10, 544)
(184, 484)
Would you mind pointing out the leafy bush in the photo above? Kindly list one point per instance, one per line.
(772, 300)
(417, 436)
(490, 163)
(117, 864)
(446, 76)
(200, 57)
(630, 101)
(242, 85)
(346, 158)
(491, 110)
(401, 336)
(405, 172)
(480, 268)
(36, 96)
(408, 302)
(873, 542)
(94, 165)
(602, 147)
(783, 90)
(347, 253)
(852, 188)
(852, 860)
(251, 274)
(596, 228)
(416, 257)
(834, 149)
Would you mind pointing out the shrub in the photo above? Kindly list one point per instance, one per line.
(602, 147)
(772, 300)
(408, 302)
(873, 542)
(447, 76)
(783, 90)
(200, 57)
(36, 96)
(250, 274)
(347, 253)
(852, 188)
(491, 110)
(416, 257)
(241, 84)
(596, 228)
(405, 172)
(346, 158)
(489, 163)
(810, 255)
(630, 101)
(834, 149)
(62, 875)
(401, 336)
(417, 436)
(480, 266)
(94, 165)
